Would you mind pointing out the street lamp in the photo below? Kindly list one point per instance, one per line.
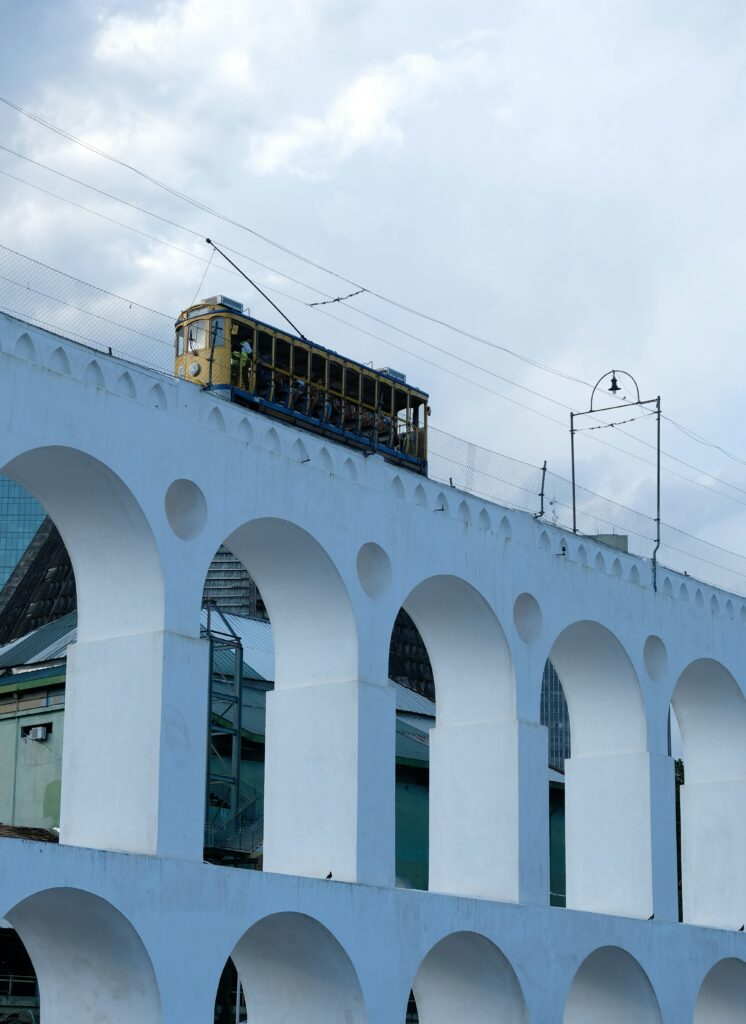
(614, 389)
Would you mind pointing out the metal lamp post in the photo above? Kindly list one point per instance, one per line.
(614, 389)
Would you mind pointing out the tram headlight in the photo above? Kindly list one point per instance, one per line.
(194, 369)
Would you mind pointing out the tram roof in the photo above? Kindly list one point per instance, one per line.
(206, 307)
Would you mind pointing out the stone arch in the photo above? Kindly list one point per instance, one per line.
(90, 962)
(216, 421)
(611, 986)
(125, 386)
(94, 374)
(730, 611)
(699, 598)
(544, 543)
(299, 452)
(157, 397)
(505, 529)
(325, 461)
(463, 512)
(474, 737)
(25, 349)
(616, 569)
(722, 996)
(245, 431)
(397, 487)
(59, 362)
(599, 562)
(684, 593)
(484, 521)
(710, 710)
(349, 470)
(420, 498)
(465, 976)
(441, 503)
(714, 605)
(634, 574)
(582, 555)
(121, 622)
(293, 969)
(667, 588)
(313, 706)
(607, 786)
(272, 441)
(107, 536)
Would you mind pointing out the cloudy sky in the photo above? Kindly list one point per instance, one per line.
(563, 180)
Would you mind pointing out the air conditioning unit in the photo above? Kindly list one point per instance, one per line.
(38, 733)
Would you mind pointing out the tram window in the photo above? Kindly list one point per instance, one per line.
(217, 332)
(265, 347)
(369, 391)
(352, 385)
(335, 376)
(300, 362)
(196, 335)
(180, 342)
(318, 369)
(384, 397)
(282, 354)
(400, 401)
(242, 335)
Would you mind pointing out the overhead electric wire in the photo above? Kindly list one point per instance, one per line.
(355, 309)
(329, 299)
(69, 136)
(400, 348)
(280, 246)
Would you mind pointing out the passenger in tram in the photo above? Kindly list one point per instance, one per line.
(240, 361)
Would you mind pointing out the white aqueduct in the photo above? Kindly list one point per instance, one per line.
(145, 477)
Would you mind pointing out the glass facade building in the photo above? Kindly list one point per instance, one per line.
(20, 518)
(555, 717)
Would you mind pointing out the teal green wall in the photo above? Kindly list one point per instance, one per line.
(30, 771)
(412, 827)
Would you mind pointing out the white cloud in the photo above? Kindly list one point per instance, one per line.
(366, 113)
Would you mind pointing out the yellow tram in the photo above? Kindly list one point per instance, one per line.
(223, 349)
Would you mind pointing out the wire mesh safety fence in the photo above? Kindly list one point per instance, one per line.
(518, 485)
(58, 302)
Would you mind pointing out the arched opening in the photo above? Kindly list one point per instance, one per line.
(116, 581)
(19, 987)
(473, 800)
(411, 674)
(466, 977)
(555, 717)
(118, 573)
(607, 779)
(314, 788)
(90, 962)
(710, 710)
(610, 986)
(293, 969)
(722, 997)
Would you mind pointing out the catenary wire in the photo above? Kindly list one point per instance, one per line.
(296, 255)
(386, 341)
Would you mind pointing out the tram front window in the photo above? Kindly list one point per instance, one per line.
(196, 336)
(216, 332)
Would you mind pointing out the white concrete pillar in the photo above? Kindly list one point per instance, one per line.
(488, 811)
(133, 763)
(713, 853)
(608, 834)
(329, 781)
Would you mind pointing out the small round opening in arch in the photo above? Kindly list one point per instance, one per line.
(655, 656)
(527, 617)
(373, 569)
(186, 509)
